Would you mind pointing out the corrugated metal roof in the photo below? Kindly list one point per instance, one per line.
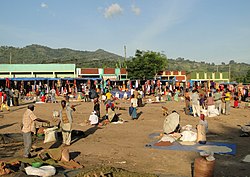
(37, 67)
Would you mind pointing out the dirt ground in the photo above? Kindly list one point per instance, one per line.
(123, 145)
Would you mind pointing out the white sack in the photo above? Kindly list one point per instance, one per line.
(50, 134)
(44, 171)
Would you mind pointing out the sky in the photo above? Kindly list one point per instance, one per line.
(199, 30)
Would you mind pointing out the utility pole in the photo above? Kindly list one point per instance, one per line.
(125, 55)
(10, 57)
(229, 72)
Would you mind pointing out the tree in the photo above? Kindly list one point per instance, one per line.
(145, 65)
(231, 62)
(247, 77)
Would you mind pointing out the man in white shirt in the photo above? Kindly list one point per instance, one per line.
(195, 103)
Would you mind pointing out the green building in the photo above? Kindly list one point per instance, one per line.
(209, 76)
(37, 70)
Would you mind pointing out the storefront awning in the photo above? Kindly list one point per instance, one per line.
(112, 78)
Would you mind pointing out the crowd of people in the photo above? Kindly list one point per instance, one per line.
(199, 101)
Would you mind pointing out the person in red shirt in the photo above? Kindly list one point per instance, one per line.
(4, 103)
(1, 95)
(43, 98)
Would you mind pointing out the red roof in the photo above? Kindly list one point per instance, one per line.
(183, 72)
(89, 71)
(109, 70)
(123, 71)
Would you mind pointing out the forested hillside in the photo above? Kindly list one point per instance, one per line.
(40, 55)
(238, 71)
(100, 58)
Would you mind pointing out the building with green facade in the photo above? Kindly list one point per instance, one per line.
(209, 76)
(37, 70)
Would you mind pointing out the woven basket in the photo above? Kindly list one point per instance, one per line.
(203, 168)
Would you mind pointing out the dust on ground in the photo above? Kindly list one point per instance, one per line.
(123, 145)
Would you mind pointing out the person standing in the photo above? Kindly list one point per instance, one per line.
(187, 102)
(28, 127)
(16, 97)
(227, 101)
(97, 107)
(66, 122)
(53, 95)
(210, 104)
(133, 107)
(217, 100)
(108, 96)
(195, 103)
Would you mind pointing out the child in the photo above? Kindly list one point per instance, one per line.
(236, 102)
(93, 118)
(132, 112)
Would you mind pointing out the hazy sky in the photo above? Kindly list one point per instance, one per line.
(202, 30)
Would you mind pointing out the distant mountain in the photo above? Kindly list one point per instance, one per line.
(41, 54)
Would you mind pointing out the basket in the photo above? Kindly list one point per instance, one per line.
(203, 168)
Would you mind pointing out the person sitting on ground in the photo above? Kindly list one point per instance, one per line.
(236, 102)
(4, 103)
(203, 122)
(110, 112)
(202, 129)
(93, 118)
(43, 98)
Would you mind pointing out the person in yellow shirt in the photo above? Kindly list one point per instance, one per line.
(108, 96)
(227, 101)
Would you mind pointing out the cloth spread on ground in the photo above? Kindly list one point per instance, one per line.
(217, 147)
(230, 148)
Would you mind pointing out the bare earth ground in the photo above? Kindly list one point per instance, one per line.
(123, 145)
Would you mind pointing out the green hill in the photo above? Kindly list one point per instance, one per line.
(41, 54)
(100, 58)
